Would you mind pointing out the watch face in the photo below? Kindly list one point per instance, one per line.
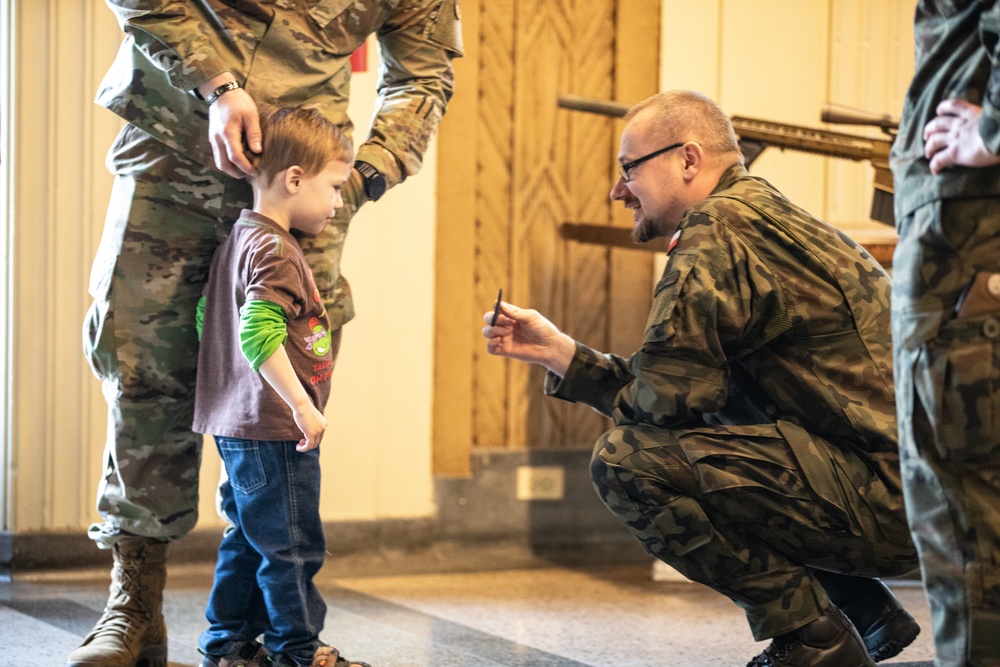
(993, 285)
(373, 179)
(375, 186)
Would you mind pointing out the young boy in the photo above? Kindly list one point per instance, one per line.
(263, 380)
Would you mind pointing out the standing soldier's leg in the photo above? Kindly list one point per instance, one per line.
(948, 396)
(161, 230)
(732, 508)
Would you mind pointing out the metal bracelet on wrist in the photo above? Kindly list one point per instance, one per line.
(222, 90)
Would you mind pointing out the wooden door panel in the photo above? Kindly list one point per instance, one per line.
(532, 167)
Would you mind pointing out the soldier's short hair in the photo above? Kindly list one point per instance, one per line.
(299, 136)
(687, 115)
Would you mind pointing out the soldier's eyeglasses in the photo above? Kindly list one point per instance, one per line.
(624, 169)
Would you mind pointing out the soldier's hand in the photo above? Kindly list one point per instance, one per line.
(527, 336)
(233, 125)
(952, 137)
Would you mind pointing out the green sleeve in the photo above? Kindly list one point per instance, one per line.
(262, 331)
(199, 316)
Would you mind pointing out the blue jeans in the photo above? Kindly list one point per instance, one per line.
(267, 559)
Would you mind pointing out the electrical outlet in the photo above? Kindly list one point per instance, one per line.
(541, 482)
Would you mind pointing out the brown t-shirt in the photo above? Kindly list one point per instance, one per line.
(259, 261)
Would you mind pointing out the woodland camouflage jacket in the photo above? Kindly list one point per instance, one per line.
(763, 313)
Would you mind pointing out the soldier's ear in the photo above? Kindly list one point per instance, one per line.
(694, 158)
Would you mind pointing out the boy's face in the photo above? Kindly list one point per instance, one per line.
(318, 198)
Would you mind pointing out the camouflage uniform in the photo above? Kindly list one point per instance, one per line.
(948, 369)
(755, 434)
(170, 208)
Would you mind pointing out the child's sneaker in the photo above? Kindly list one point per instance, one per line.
(250, 654)
(325, 656)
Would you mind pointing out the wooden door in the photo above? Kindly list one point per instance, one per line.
(512, 167)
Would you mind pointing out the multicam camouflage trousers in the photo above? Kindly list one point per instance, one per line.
(166, 217)
(750, 511)
(948, 399)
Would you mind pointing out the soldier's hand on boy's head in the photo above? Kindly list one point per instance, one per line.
(232, 122)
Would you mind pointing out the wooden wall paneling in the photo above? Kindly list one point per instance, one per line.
(6, 261)
(636, 77)
(539, 198)
(456, 311)
(589, 303)
(535, 167)
(87, 41)
(584, 172)
(61, 50)
(491, 375)
(67, 372)
(30, 466)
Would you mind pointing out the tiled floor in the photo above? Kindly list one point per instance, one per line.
(556, 617)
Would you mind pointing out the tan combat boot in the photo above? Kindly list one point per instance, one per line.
(131, 633)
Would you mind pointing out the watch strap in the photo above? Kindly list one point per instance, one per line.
(374, 180)
(222, 90)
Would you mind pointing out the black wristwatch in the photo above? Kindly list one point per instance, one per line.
(373, 179)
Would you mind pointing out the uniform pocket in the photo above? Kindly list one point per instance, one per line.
(446, 27)
(658, 325)
(99, 338)
(344, 25)
(326, 10)
(815, 462)
(99, 344)
(955, 378)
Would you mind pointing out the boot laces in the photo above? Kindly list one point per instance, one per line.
(774, 654)
(117, 619)
(130, 589)
(114, 623)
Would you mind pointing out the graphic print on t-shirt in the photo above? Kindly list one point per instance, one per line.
(318, 341)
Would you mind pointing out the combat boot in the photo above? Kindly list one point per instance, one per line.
(829, 641)
(885, 627)
(131, 632)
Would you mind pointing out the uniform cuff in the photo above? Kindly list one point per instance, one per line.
(194, 71)
(562, 387)
(380, 158)
(989, 128)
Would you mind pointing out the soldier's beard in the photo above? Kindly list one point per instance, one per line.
(646, 229)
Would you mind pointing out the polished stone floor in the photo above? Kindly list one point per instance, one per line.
(548, 617)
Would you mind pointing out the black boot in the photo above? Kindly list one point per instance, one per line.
(885, 627)
(829, 641)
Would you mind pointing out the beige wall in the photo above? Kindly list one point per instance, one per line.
(777, 59)
(781, 60)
